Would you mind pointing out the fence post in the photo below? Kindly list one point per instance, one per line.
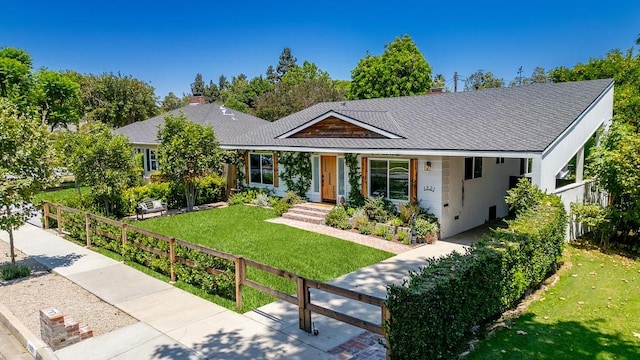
(386, 317)
(172, 259)
(304, 298)
(46, 215)
(59, 218)
(124, 239)
(87, 228)
(241, 275)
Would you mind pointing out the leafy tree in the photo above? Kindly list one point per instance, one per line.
(537, 77)
(24, 167)
(188, 151)
(117, 100)
(401, 70)
(298, 89)
(482, 80)
(57, 98)
(439, 82)
(105, 162)
(15, 75)
(197, 87)
(616, 166)
(172, 102)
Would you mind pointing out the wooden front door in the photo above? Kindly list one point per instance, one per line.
(328, 164)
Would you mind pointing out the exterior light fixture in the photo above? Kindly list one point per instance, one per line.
(427, 166)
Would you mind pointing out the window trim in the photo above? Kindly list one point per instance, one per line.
(273, 171)
(387, 160)
(475, 169)
(151, 162)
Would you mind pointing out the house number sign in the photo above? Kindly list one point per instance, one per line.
(429, 188)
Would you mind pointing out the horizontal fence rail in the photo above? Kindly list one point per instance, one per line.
(302, 298)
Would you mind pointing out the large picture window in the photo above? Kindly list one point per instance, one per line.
(261, 167)
(389, 178)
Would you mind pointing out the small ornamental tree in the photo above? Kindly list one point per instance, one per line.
(105, 162)
(188, 151)
(25, 158)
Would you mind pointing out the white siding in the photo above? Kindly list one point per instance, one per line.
(430, 184)
(471, 205)
(556, 156)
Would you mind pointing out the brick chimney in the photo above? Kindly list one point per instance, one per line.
(197, 99)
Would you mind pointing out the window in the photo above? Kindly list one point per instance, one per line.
(526, 165)
(261, 168)
(341, 176)
(316, 174)
(472, 168)
(152, 161)
(499, 160)
(389, 178)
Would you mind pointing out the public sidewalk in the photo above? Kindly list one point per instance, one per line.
(173, 323)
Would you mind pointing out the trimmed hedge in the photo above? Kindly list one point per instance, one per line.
(433, 312)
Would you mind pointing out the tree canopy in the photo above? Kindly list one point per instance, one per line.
(624, 68)
(401, 70)
(25, 166)
(117, 100)
(57, 97)
(482, 80)
(104, 161)
(188, 151)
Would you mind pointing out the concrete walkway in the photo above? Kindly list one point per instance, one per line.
(370, 280)
(173, 323)
(177, 325)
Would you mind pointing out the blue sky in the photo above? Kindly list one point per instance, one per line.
(167, 43)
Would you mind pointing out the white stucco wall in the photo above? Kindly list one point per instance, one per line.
(558, 154)
(430, 184)
(479, 194)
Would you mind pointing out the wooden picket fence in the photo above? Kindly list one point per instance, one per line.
(303, 295)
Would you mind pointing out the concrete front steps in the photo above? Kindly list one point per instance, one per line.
(308, 212)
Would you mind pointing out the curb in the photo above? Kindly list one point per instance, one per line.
(33, 344)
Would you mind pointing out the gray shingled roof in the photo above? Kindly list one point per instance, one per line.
(519, 119)
(225, 127)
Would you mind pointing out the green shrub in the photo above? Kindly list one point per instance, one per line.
(408, 212)
(379, 209)
(292, 198)
(210, 189)
(403, 237)
(524, 196)
(381, 231)
(365, 229)
(261, 200)
(425, 227)
(336, 216)
(281, 207)
(14, 271)
(459, 291)
(360, 219)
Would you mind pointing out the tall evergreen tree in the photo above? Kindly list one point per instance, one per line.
(197, 87)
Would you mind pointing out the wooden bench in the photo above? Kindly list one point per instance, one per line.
(150, 206)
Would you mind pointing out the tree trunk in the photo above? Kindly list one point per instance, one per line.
(190, 193)
(13, 255)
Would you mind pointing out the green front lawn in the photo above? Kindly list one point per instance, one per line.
(241, 230)
(59, 194)
(593, 312)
